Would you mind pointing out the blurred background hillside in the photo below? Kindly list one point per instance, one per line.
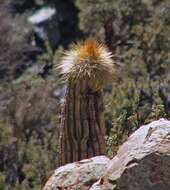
(33, 34)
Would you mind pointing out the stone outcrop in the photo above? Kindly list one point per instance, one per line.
(142, 163)
(78, 175)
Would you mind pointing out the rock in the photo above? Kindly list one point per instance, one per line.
(142, 163)
(45, 13)
(78, 175)
(45, 22)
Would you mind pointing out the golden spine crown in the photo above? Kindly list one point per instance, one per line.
(89, 60)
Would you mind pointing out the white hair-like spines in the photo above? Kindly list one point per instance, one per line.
(89, 60)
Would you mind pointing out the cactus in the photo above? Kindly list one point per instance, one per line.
(87, 68)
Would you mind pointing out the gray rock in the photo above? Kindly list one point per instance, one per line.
(78, 175)
(142, 163)
(42, 15)
(45, 22)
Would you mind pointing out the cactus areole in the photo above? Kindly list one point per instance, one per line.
(87, 68)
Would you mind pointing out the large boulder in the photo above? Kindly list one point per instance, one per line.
(78, 175)
(142, 163)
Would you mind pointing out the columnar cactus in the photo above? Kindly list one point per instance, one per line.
(87, 68)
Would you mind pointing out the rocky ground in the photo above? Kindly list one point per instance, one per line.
(141, 163)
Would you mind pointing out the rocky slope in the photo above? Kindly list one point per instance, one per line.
(142, 163)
